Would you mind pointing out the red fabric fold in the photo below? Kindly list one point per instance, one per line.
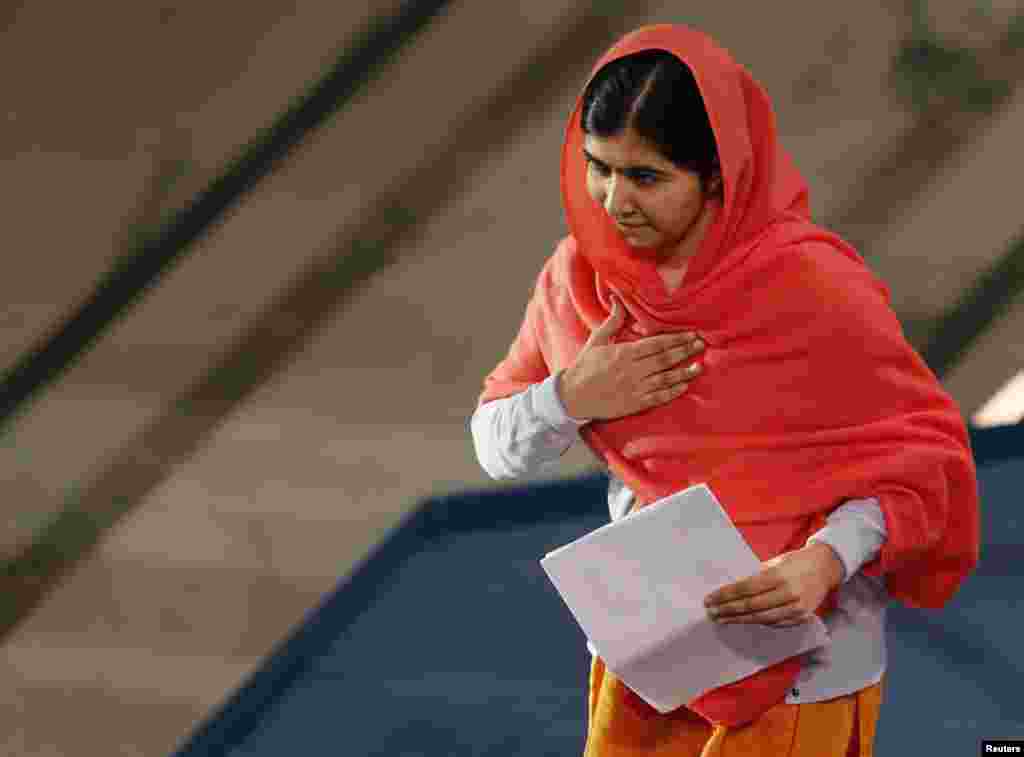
(810, 394)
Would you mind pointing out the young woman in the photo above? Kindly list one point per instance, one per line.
(830, 444)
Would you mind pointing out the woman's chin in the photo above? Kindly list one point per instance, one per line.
(643, 245)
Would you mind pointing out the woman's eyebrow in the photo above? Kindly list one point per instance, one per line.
(632, 170)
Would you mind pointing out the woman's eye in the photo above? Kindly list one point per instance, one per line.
(646, 179)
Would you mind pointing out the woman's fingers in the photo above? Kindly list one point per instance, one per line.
(672, 378)
(660, 343)
(795, 622)
(666, 360)
(662, 396)
(786, 614)
(654, 368)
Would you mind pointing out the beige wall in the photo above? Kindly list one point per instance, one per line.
(101, 100)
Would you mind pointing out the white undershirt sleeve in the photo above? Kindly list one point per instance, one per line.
(525, 433)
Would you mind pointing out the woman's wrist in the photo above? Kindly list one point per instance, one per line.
(564, 390)
(837, 571)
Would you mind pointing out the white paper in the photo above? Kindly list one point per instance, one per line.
(637, 586)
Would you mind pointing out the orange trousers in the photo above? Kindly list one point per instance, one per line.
(623, 725)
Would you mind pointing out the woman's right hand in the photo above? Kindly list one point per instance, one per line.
(613, 380)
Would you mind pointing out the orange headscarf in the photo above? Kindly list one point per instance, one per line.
(810, 393)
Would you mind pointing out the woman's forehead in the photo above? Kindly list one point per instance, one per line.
(626, 150)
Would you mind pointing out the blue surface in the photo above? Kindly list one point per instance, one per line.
(450, 640)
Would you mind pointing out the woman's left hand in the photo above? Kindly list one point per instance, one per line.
(785, 593)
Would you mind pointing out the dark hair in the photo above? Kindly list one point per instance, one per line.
(655, 94)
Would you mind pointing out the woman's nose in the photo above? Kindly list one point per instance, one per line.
(615, 199)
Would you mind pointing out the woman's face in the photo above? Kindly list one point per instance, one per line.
(653, 202)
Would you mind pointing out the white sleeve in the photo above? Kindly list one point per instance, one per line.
(856, 531)
(525, 433)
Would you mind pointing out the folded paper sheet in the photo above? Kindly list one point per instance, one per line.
(637, 585)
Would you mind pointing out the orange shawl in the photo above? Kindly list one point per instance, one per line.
(810, 393)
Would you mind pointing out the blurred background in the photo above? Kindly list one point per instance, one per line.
(258, 260)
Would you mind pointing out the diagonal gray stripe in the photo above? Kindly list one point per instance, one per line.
(985, 301)
(132, 275)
